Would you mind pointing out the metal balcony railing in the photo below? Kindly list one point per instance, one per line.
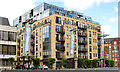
(61, 48)
(82, 49)
(60, 31)
(82, 34)
(82, 42)
(83, 27)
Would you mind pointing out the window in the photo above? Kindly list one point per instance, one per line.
(40, 37)
(58, 28)
(36, 47)
(115, 47)
(89, 40)
(67, 36)
(72, 22)
(67, 28)
(74, 46)
(90, 48)
(93, 33)
(36, 32)
(58, 20)
(65, 20)
(67, 44)
(89, 33)
(40, 29)
(40, 45)
(68, 21)
(36, 39)
(109, 46)
(87, 25)
(115, 42)
(67, 53)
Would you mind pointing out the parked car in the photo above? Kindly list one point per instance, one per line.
(26, 66)
(43, 67)
(17, 67)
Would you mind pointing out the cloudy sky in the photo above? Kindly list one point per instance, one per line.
(103, 11)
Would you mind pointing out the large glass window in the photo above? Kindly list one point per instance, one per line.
(89, 40)
(0, 35)
(58, 28)
(58, 20)
(89, 33)
(0, 49)
(5, 35)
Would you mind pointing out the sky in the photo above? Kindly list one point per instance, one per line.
(103, 11)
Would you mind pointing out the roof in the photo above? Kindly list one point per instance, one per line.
(4, 21)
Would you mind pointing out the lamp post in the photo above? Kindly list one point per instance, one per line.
(102, 48)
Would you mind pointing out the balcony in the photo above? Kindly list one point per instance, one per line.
(83, 57)
(82, 49)
(83, 27)
(32, 42)
(31, 49)
(82, 42)
(98, 30)
(99, 44)
(82, 34)
(60, 31)
(18, 40)
(61, 48)
(59, 55)
(61, 40)
(33, 35)
(99, 37)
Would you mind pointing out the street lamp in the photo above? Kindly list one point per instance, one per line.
(102, 48)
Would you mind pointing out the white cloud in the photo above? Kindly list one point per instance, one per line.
(114, 19)
(106, 29)
(83, 4)
(116, 9)
(14, 8)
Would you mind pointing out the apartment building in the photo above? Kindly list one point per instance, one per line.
(111, 50)
(47, 31)
(7, 43)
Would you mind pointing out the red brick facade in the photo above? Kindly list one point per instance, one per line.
(111, 50)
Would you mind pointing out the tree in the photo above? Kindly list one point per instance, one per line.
(95, 63)
(80, 62)
(111, 63)
(36, 62)
(11, 60)
(51, 61)
(88, 63)
(107, 62)
(64, 62)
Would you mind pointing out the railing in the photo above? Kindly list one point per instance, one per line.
(61, 48)
(84, 57)
(82, 34)
(60, 31)
(82, 42)
(99, 37)
(82, 49)
(61, 40)
(83, 27)
(60, 55)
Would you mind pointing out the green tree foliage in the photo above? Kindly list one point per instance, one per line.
(80, 62)
(88, 63)
(36, 62)
(11, 60)
(64, 62)
(95, 63)
(51, 61)
(107, 62)
(111, 63)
